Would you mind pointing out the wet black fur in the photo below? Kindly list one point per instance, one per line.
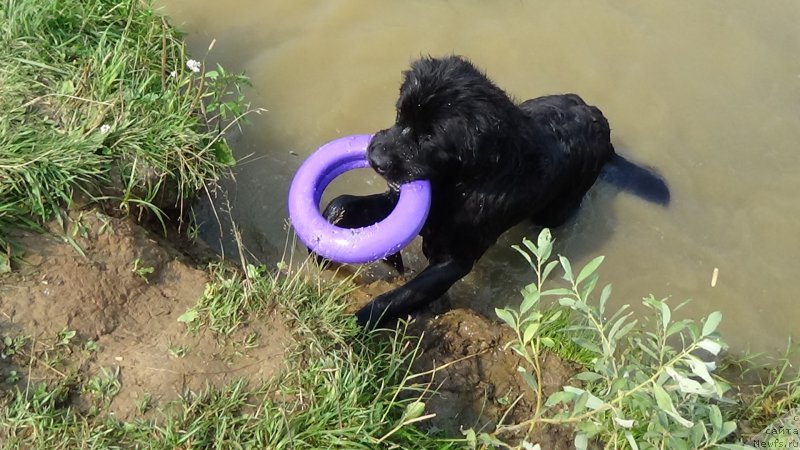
(492, 164)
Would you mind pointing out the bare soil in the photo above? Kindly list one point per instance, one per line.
(82, 276)
(475, 375)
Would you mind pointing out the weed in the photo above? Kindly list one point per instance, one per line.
(12, 345)
(64, 337)
(178, 351)
(91, 346)
(637, 390)
(142, 271)
(144, 403)
(103, 387)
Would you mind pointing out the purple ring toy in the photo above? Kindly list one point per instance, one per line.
(352, 245)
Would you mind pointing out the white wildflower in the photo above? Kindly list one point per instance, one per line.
(173, 74)
(193, 65)
(105, 128)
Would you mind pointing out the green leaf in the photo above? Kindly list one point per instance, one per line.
(581, 441)
(490, 441)
(710, 346)
(530, 380)
(588, 345)
(560, 397)
(589, 286)
(545, 244)
(676, 327)
(727, 428)
(530, 332)
(558, 291)
(631, 440)
(688, 385)
(507, 316)
(554, 317)
(665, 404)
(567, 268)
(591, 400)
(531, 299)
(548, 268)
(568, 302)
(698, 434)
(413, 410)
(189, 316)
(524, 254)
(589, 269)
(711, 323)
(666, 315)
(624, 423)
(531, 248)
(625, 330)
(588, 376)
(715, 415)
(547, 342)
(615, 328)
(580, 404)
(223, 153)
(700, 369)
(604, 296)
(471, 438)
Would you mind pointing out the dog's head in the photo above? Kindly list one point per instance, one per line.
(446, 112)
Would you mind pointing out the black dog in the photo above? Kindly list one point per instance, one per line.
(491, 164)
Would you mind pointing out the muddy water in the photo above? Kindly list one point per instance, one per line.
(707, 93)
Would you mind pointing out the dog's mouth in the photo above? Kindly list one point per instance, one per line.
(396, 174)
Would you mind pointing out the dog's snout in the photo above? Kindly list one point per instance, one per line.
(380, 162)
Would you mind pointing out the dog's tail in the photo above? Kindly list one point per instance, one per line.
(641, 181)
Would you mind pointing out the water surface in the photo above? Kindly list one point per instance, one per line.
(708, 93)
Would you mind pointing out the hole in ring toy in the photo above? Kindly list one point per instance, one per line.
(352, 245)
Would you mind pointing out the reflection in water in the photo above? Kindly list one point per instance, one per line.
(706, 94)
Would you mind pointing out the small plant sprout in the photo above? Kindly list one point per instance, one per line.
(13, 377)
(178, 351)
(142, 271)
(104, 387)
(144, 403)
(64, 337)
(12, 345)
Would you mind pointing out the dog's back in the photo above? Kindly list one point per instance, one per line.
(579, 137)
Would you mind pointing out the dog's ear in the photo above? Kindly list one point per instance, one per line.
(416, 104)
(424, 90)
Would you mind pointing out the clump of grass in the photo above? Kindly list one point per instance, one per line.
(96, 97)
(774, 391)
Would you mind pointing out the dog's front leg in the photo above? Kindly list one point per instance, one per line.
(353, 211)
(426, 287)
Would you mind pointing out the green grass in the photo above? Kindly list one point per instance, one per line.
(96, 97)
